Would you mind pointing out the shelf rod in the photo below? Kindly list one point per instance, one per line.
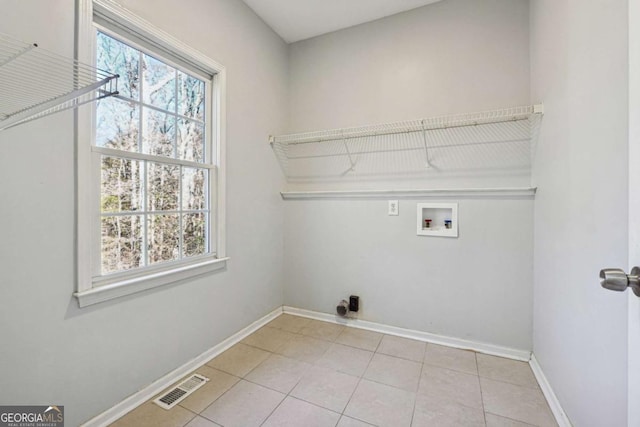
(16, 118)
(57, 109)
(394, 150)
(18, 54)
(365, 134)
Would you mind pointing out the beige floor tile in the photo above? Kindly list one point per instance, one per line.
(351, 422)
(150, 414)
(457, 387)
(290, 323)
(267, 338)
(326, 387)
(201, 422)
(381, 405)
(348, 360)
(304, 348)
(279, 373)
(245, 405)
(393, 371)
(497, 421)
(294, 413)
(507, 370)
(516, 402)
(360, 338)
(239, 360)
(322, 330)
(451, 358)
(402, 347)
(219, 382)
(441, 412)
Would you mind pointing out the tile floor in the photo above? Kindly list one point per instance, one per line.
(301, 372)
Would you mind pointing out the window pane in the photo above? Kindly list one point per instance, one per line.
(159, 133)
(117, 124)
(190, 96)
(159, 84)
(163, 238)
(194, 235)
(194, 189)
(164, 186)
(121, 186)
(190, 140)
(121, 243)
(153, 211)
(118, 58)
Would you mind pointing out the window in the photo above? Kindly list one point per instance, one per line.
(153, 214)
(154, 208)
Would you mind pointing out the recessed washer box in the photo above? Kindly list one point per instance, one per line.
(437, 219)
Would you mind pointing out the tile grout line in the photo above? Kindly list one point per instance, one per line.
(510, 383)
(484, 413)
(274, 410)
(415, 399)
(241, 378)
(360, 378)
(511, 419)
(460, 372)
(218, 398)
(311, 365)
(188, 410)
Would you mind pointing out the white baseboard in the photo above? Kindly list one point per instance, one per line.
(119, 410)
(552, 400)
(495, 350)
(511, 353)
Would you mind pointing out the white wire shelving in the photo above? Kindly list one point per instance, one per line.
(499, 140)
(35, 82)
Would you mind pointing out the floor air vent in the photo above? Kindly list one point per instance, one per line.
(181, 391)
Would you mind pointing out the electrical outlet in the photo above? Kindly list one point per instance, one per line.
(393, 207)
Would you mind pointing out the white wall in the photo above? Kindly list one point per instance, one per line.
(89, 359)
(475, 287)
(454, 56)
(579, 68)
(451, 57)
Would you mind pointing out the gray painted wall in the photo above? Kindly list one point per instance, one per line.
(476, 286)
(454, 56)
(459, 56)
(90, 359)
(579, 68)
(451, 57)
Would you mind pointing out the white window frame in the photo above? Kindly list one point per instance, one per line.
(92, 288)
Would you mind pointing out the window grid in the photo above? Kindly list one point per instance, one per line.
(145, 184)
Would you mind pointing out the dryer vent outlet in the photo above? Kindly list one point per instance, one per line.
(343, 308)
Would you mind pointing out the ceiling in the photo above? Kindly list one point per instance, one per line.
(296, 20)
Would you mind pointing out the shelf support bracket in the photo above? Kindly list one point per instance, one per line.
(428, 164)
(346, 147)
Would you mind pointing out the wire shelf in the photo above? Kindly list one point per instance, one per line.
(491, 140)
(35, 82)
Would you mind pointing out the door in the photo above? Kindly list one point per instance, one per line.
(613, 279)
(634, 211)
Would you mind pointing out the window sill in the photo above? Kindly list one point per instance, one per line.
(138, 284)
